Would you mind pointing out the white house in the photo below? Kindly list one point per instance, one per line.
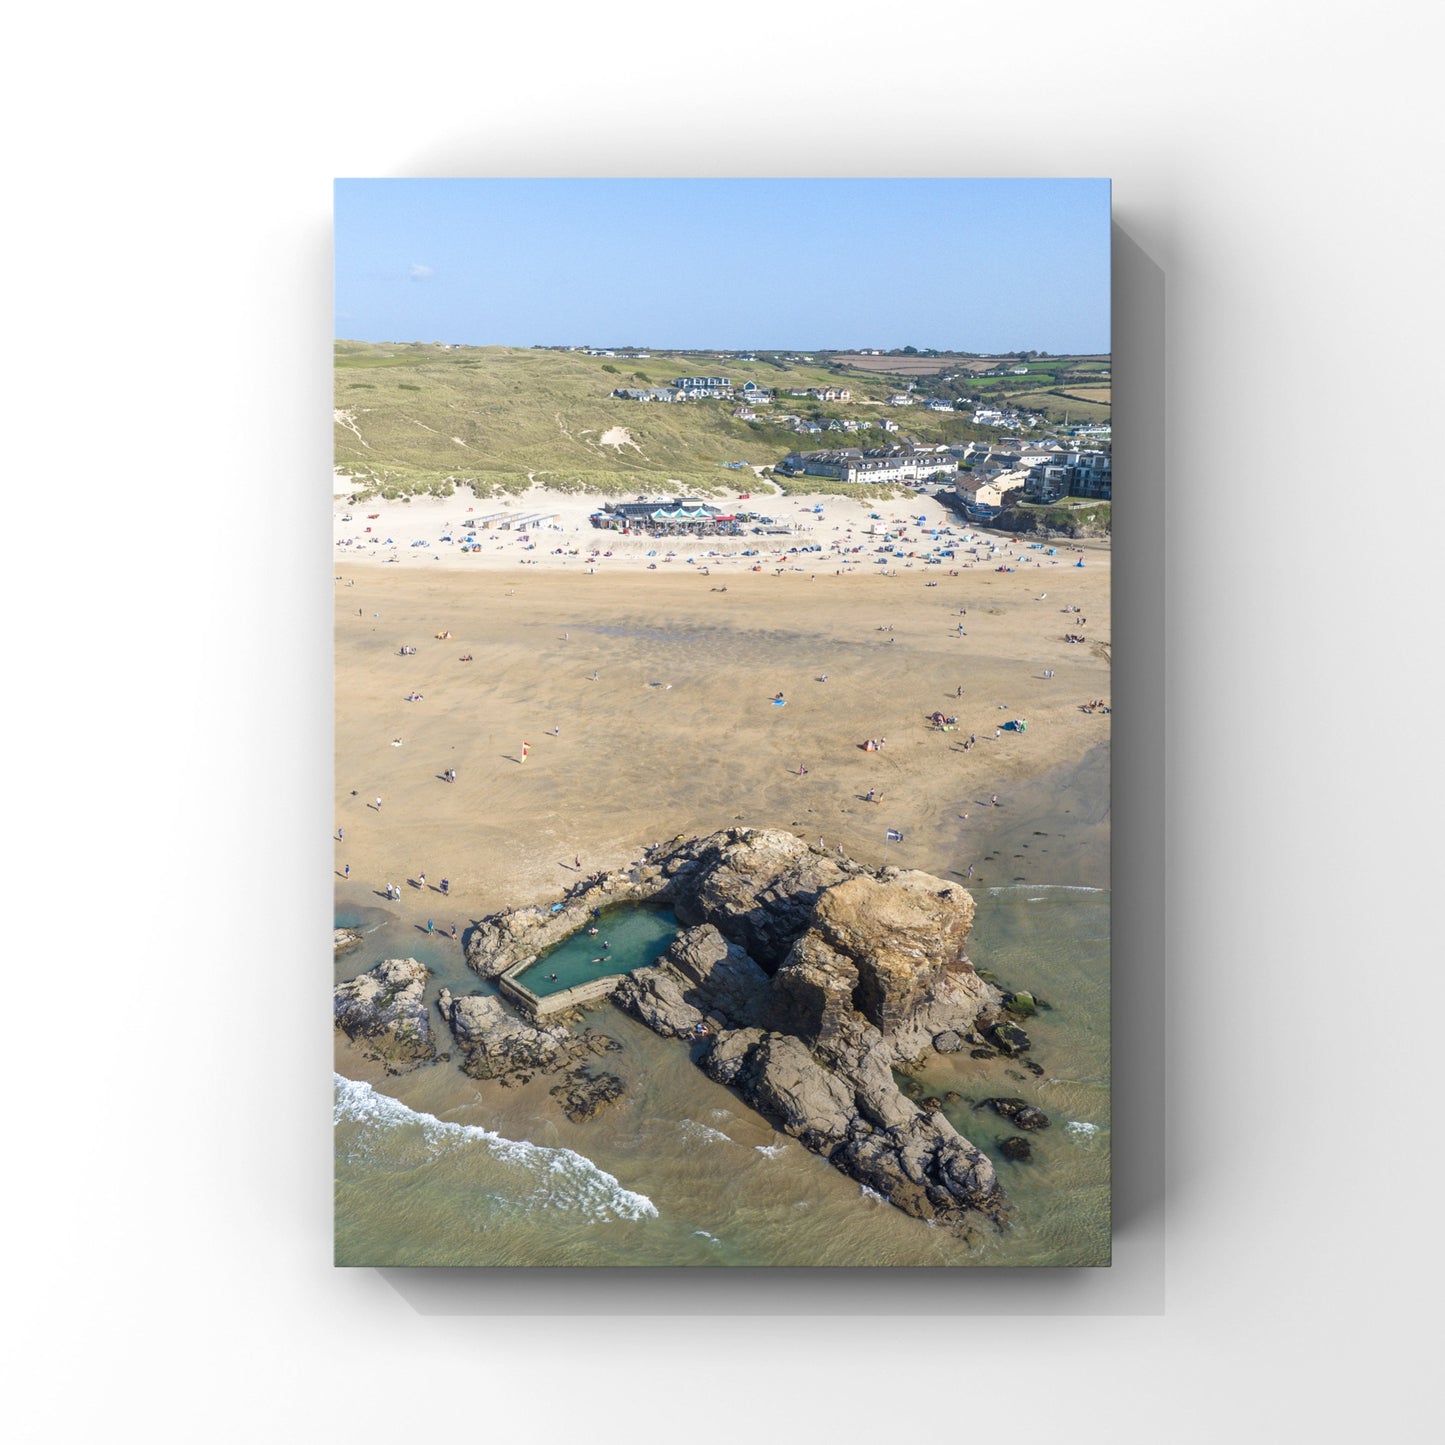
(704, 386)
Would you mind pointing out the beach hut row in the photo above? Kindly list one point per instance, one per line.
(516, 522)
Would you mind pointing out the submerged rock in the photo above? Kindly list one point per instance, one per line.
(583, 1095)
(1017, 1111)
(383, 1012)
(1016, 1147)
(1009, 1038)
(344, 938)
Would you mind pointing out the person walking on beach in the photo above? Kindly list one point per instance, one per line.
(340, 834)
(454, 930)
(526, 748)
(378, 805)
(346, 871)
(430, 926)
(421, 881)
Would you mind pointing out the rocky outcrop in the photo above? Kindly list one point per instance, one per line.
(757, 888)
(863, 1125)
(383, 1012)
(806, 980)
(497, 1044)
(927, 1169)
(344, 938)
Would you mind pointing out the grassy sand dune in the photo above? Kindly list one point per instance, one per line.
(410, 417)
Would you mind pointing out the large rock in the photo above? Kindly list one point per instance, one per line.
(655, 995)
(817, 978)
(777, 1075)
(927, 1169)
(756, 887)
(902, 935)
(863, 1126)
(384, 1013)
(497, 1044)
(700, 977)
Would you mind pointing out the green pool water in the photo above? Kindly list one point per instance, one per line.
(626, 939)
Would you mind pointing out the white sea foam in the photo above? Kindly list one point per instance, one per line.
(771, 1150)
(711, 1238)
(1082, 1132)
(565, 1179)
(868, 1193)
(702, 1134)
(1047, 887)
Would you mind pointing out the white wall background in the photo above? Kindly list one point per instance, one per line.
(1276, 174)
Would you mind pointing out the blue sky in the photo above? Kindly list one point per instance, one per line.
(971, 265)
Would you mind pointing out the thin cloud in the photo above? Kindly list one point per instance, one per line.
(421, 273)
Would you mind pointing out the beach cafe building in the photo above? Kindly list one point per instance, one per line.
(672, 518)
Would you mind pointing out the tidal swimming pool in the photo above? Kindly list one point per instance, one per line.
(626, 939)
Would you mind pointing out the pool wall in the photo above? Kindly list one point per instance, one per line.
(540, 1006)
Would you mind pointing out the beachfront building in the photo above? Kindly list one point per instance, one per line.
(756, 395)
(670, 517)
(695, 388)
(980, 493)
(527, 521)
(1072, 474)
(873, 464)
(829, 393)
(937, 403)
(900, 398)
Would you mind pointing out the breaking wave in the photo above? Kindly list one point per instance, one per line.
(695, 1132)
(564, 1179)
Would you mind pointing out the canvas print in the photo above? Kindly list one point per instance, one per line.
(722, 722)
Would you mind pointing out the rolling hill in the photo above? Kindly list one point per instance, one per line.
(418, 417)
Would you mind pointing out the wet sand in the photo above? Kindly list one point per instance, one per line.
(677, 733)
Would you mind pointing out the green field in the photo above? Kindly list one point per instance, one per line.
(417, 417)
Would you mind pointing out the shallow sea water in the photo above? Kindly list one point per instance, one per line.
(433, 1168)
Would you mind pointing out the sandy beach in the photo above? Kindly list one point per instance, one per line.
(643, 692)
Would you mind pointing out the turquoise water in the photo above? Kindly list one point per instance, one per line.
(626, 939)
(433, 1168)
